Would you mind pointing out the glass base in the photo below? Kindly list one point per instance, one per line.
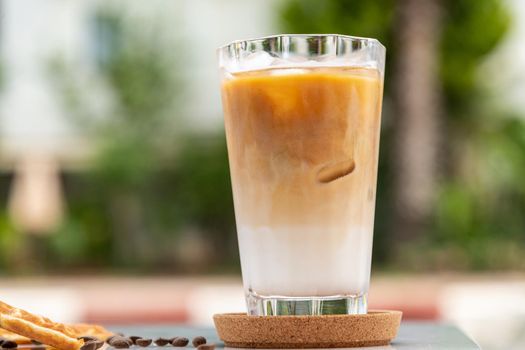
(259, 305)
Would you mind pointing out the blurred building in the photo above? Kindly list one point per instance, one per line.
(34, 32)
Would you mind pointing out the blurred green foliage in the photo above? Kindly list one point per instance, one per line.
(156, 197)
(471, 30)
(478, 220)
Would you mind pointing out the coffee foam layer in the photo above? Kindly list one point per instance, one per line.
(264, 60)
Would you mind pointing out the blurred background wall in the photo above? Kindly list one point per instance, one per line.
(113, 159)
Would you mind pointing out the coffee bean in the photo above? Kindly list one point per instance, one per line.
(89, 345)
(108, 339)
(134, 338)
(119, 335)
(143, 342)
(198, 341)
(120, 342)
(162, 341)
(2, 340)
(98, 344)
(180, 341)
(112, 338)
(206, 347)
(8, 344)
(87, 338)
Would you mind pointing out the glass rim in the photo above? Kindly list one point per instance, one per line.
(275, 36)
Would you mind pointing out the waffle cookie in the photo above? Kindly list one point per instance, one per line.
(24, 327)
(19, 339)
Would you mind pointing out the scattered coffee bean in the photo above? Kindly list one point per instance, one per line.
(99, 344)
(198, 341)
(8, 344)
(87, 338)
(134, 338)
(180, 341)
(108, 339)
(162, 341)
(120, 342)
(206, 347)
(89, 345)
(143, 342)
(1, 341)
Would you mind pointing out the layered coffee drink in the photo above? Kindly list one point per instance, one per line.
(303, 151)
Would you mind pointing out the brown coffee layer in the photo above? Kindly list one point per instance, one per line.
(303, 146)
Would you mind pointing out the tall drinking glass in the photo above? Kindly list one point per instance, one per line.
(302, 116)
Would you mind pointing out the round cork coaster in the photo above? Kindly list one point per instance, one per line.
(239, 330)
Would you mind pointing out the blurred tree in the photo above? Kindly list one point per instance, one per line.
(154, 189)
(132, 134)
(432, 92)
(417, 101)
(139, 70)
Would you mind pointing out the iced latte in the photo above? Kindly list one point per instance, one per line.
(303, 152)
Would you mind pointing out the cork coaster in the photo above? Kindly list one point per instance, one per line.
(239, 330)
